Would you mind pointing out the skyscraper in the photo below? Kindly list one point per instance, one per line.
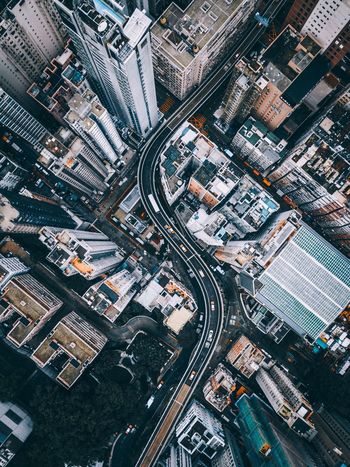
(31, 34)
(245, 85)
(187, 44)
(18, 120)
(117, 56)
(26, 215)
(326, 21)
(81, 252)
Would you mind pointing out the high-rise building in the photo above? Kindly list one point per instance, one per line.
(111, 296)
(11, 174)
(27, 215)
(326, 21)
(266, 442)
(294, 273)
(246, 84)
(293, 65)
(258, 146)
(245, 356)
(200, 431)
(315, 176)
(287, 401)
(16, 426)
(76, 342)
(68, 157)
(80, 252)
(31, 34)
(26, 305)
(10, 267)
(93, 123)
(18, 120)
(65, 93)
(187, 44)
(116, 53)
(231, 455)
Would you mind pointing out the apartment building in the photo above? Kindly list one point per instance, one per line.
(25, 306)
(31, 34)
(315, 175)
(10, 267)
(245, 356)
(326, 21)
(69, 349)
(89, 254)
(111, 296)
(246, 84)
(187, 44)
(199, 431)
(259, 147)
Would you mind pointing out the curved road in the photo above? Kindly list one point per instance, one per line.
(185, 246)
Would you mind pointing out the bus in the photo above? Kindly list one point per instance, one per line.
(153, 202)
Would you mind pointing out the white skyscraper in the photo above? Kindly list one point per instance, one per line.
(93, 122)
(117, 56)
(31, 34)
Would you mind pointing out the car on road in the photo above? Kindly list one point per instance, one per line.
(183, 248)
(192, 375)
(168, 227)
(160, 384)
(210, 336)
(212, 305)
(150, 402)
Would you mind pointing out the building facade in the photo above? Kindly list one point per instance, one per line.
(31, 34)
(22, 214)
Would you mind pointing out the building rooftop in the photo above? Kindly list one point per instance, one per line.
(69, 348)
(136, 27)
(219, 387)
(187, 32)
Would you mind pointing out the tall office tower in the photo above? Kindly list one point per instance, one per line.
(31, 34)
(70, 159)
(315, 176)
(26, 215)
(294, 65)
(258, 146)
(265, 440)
(287, 401)
(26, 305)
(79, 252)
(246, 84)
(326, 21)
(94, 124)
(178, 457)
(116, 54)
(10, 267)
(294, 273)
(65, 93)
(231, 455)
(19, 121)
(187, 44)
(200, 431)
